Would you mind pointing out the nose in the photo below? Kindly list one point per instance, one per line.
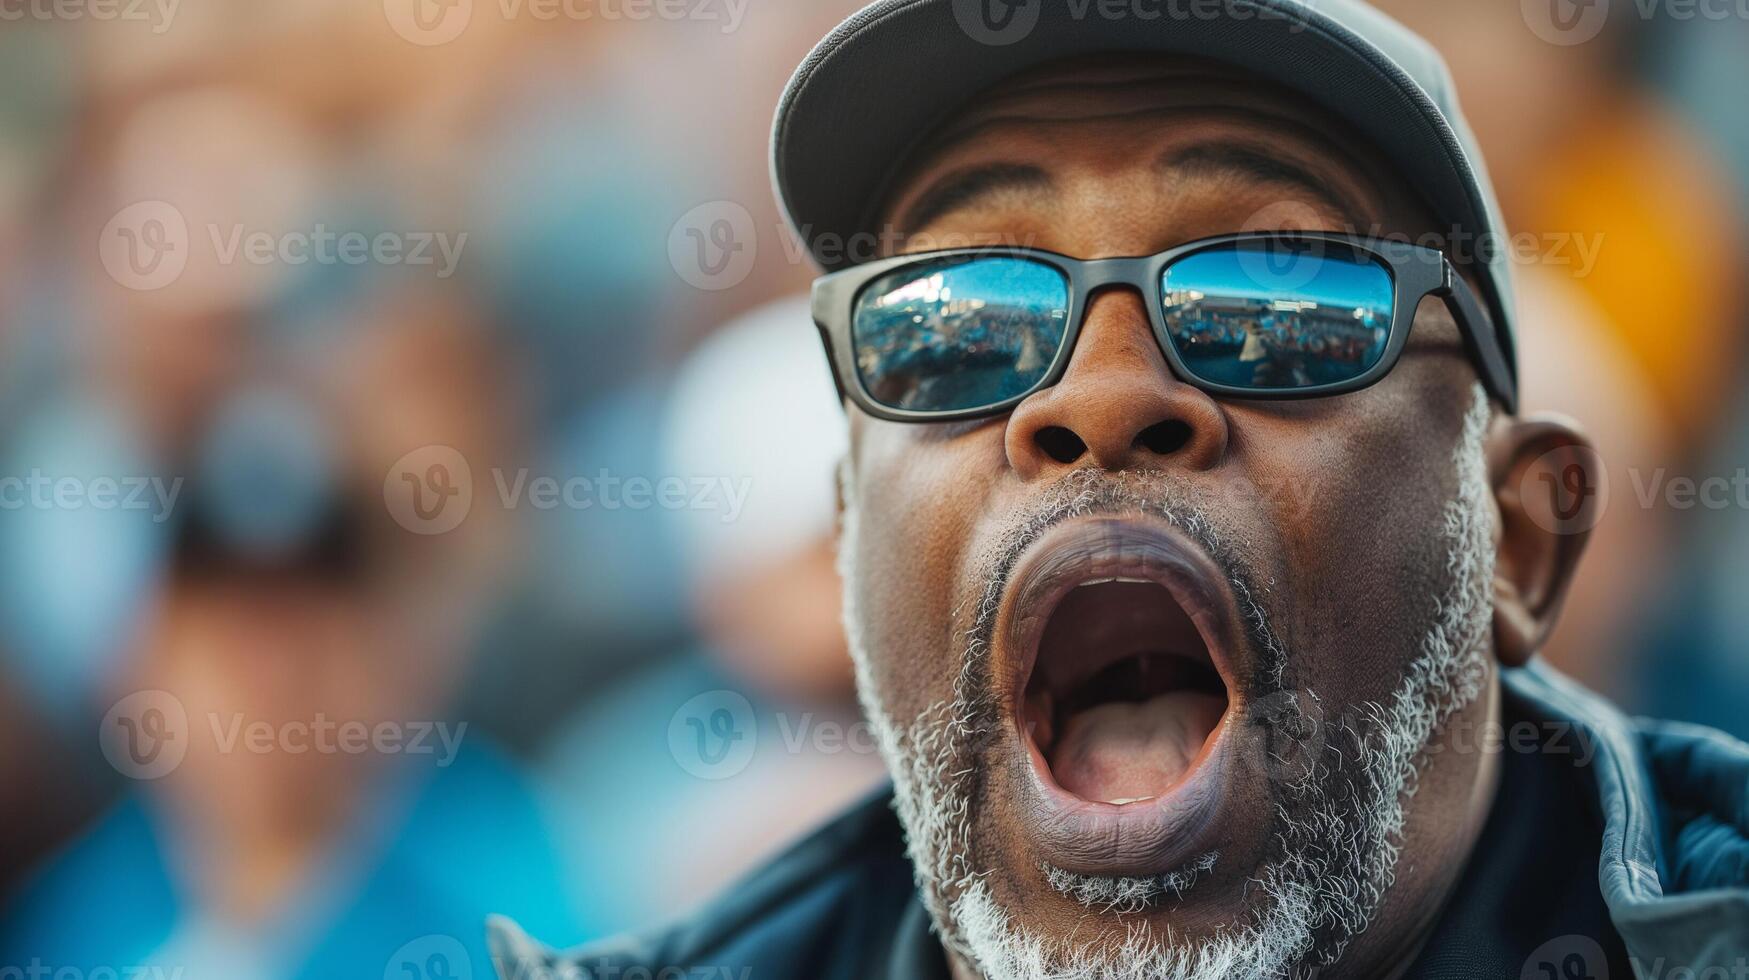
(1118, 406)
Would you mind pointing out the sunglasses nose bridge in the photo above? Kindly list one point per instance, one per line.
(1094, 278)
(1095, 275)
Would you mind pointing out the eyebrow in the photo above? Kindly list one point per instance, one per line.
(963, 188)
(1227, 160)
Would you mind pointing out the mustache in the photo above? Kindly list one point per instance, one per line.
(1099, 493)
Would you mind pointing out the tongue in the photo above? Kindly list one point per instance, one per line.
(1120, 752)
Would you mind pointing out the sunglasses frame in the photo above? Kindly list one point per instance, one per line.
(1416, 273)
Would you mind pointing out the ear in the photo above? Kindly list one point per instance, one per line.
(1549, 484)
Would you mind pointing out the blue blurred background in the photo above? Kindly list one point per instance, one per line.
(416, 462)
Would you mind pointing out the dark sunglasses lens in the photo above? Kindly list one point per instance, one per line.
(959, 333)
(1278, 314)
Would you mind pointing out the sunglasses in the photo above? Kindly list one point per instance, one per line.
(970, 333)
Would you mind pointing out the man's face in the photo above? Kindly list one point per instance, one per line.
(1156, 670)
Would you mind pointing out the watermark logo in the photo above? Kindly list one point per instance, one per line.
(1295, 726)
(430, 958)
(145, 735)
(1284, 269)
(430, 490)
(1571, 22)
(713, 246)
(1566, 490)
(429, 23)
(713, 735)
(145, 246)
(148, 245)
(997, 23)
(1566, 22)
(1566, 958)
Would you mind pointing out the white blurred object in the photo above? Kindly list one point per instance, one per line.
(755, 406)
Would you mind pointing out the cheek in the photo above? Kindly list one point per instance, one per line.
(1360, 526)
(916, 501)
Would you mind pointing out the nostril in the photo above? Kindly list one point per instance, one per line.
(1164, 438)
(1059, 443)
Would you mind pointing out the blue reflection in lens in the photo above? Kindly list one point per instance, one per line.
(1278, 314)
(958, 334)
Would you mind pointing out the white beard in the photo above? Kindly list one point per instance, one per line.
(1335, 859)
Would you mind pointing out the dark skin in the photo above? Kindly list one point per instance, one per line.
(1351, 550)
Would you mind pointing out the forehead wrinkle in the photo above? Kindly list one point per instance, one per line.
(1305, 147)
(1096, 101)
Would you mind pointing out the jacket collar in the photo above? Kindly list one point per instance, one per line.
(1675, 804)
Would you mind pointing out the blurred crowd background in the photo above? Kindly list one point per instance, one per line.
(269, 271)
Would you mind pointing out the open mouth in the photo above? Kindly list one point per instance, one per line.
(1124, 696)
(1117, 639)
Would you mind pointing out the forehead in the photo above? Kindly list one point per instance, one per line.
(1152, 142)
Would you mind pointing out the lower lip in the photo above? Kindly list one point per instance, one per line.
(1154, 836)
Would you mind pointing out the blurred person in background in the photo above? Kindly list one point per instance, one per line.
(529, 133)
(292, 600)
(657, 818)
(273, 591)
(1631, 227)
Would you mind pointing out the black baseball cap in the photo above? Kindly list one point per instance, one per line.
(884, 79)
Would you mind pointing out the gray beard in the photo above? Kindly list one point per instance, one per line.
(1339, 814)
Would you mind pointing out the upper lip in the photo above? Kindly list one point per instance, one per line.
(1090, 550)
(1098, 838)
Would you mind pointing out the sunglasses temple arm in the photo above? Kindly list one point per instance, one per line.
(825, 294)
(1482, 338)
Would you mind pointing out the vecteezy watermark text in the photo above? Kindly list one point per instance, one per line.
(147, 734)
(716, 245)
(602, 968)
(428, 23)
(36, 969)
(41, 491)
(999, 23)
(1570, 22)
(147, 245)
(610, 491)
(431, 491)
(158, 13)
